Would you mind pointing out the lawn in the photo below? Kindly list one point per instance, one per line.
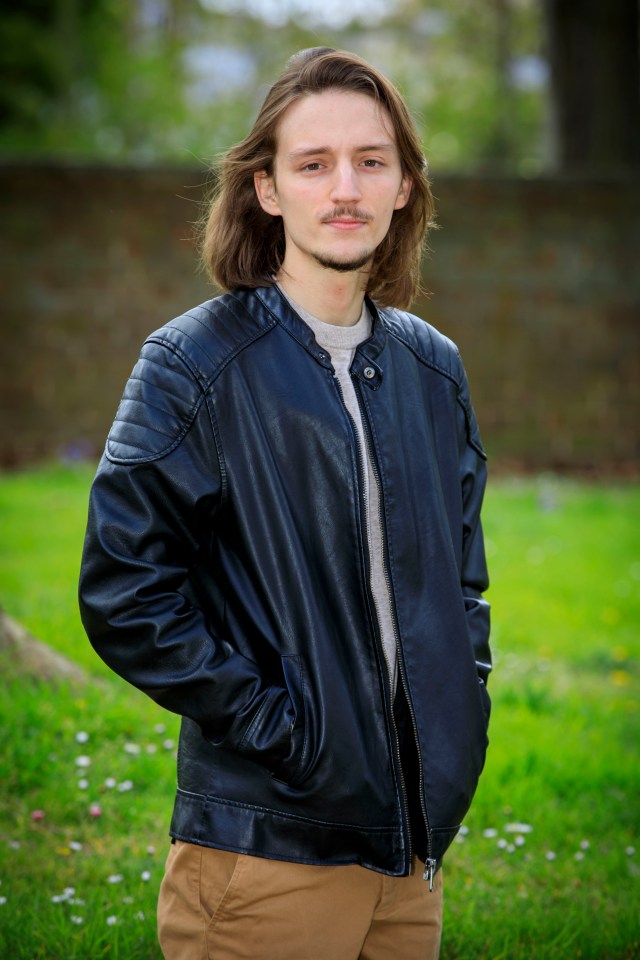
(548, 863)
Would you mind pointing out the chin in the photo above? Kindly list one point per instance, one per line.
(343, 264)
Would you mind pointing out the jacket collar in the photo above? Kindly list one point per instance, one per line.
(367, 353)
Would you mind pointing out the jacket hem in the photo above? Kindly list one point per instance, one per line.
(258, 831)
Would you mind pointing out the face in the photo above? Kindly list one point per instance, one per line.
(337, 181)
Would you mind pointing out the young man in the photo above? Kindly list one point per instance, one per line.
(284, 547)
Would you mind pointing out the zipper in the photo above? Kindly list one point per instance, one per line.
(430, 862)
(429, 870)
(373, 612)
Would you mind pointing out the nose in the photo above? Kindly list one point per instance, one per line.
(345, 187)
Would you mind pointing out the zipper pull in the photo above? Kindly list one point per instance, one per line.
(429, 870)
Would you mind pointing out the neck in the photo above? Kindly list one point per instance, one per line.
(330, 296)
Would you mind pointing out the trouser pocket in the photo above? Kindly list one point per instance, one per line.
(197, 884)
(220, 872)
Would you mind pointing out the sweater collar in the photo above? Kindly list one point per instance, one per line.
(280, 308)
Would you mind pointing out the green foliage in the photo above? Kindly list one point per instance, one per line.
(546, 867)
(87, 80)
(455, 64)
(182, 79)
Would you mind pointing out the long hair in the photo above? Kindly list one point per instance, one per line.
(242, 246)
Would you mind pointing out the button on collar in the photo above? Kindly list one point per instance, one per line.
(368, 372)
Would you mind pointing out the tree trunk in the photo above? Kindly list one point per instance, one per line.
(27, 655)
(595, 78)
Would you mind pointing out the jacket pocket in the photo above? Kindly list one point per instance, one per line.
(481, 732)
(292, 769)
(485, 700)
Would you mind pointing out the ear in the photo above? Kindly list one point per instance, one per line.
(266, 192)
(403, 193)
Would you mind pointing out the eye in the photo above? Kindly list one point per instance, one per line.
(313, 166)
(372, 163)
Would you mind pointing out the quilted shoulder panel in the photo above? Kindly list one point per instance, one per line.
(429, 345)
(441, 354)
(159, 404)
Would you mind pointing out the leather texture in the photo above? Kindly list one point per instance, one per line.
(225, 574)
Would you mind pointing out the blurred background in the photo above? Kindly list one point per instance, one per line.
(111, 112)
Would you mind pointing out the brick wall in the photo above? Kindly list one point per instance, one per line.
(538, 281)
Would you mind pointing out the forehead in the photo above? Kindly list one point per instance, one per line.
(334, 118)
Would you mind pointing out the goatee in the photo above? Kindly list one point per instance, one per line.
(342, 266)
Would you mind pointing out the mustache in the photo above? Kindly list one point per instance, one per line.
(346, 213)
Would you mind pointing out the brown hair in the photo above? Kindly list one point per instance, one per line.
(242, 246)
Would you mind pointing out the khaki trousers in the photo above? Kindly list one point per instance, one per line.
(217, 905)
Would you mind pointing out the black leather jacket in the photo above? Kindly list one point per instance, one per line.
(225, 574)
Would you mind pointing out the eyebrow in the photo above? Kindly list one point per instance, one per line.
(380, 146)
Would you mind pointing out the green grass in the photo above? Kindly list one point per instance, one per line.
(563, 760)
(43, 515)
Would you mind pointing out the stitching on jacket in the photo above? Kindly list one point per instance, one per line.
(163, 339)
(151, 406)
(232, 356)
(160, 454)
(383, 664)
(386, 539)
(190, 362)
(219, 801)
(222, 467)
(135, 377)
(278, 322)
(464, 401)
(144, 358)
(205, 383)
(192, 315)
(425, 360)
(235, 313)
(313, 861)
(376, 444)
(143, 426)
(134, 446)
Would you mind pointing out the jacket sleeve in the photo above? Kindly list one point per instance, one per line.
(474, 575)
(155, 495)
